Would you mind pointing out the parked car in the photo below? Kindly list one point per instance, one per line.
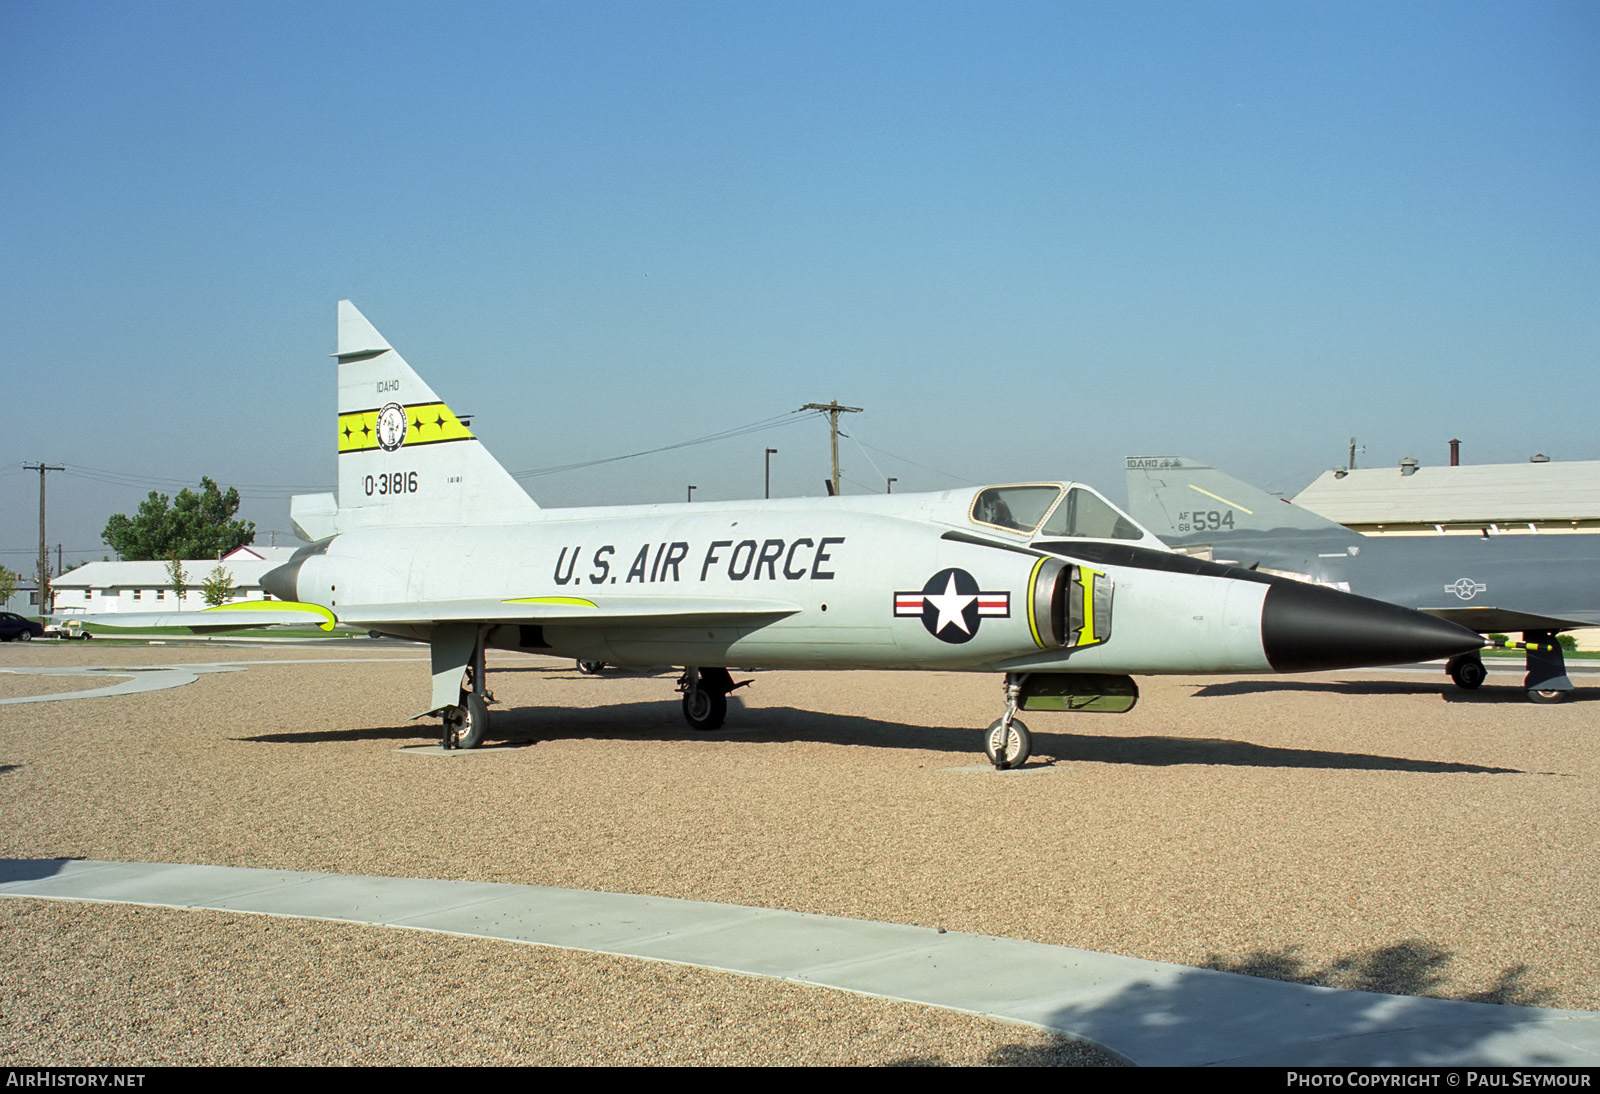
(13, 626)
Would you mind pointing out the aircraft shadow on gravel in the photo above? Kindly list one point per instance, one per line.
(1488, 693)
(521, 727)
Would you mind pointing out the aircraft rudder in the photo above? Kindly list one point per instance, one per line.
(406, 458)
(1178, 496)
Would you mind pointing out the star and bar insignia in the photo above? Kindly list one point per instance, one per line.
(951, 605)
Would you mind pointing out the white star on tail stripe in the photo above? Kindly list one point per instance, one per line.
(951, 604)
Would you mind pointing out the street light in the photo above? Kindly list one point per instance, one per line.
(691, 494)
(890, 488)
(771, 452)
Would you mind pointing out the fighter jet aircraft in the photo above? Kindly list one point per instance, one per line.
(1046, 583)
(1537, 584)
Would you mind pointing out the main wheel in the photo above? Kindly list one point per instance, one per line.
(1546, 695)
(591, 668)
(1468, 673)
(704, 710)
(1018, 744)
(468, 722)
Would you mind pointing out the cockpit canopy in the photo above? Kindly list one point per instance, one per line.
(1051, 509)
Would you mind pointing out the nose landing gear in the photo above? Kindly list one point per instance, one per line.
(1007, 742)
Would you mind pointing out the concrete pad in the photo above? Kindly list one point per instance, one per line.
(1149, 1012)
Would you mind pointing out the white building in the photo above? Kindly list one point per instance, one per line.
(104, 587)
(1472, 500)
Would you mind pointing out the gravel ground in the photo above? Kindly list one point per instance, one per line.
(1363, 830)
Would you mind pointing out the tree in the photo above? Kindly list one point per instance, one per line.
(192, 526)
(176, 575)
(217, 586)
(8, 584)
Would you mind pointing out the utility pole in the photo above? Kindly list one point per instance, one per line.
(833, 410)
(770, 453)
(44, 552)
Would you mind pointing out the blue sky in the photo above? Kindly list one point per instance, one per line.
(1029, 238)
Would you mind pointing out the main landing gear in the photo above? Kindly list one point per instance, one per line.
(705, 696)
(1467, 670)
(466, 722)
(1007, 741)
(1546, 681)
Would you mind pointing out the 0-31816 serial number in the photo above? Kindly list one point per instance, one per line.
(391, 482)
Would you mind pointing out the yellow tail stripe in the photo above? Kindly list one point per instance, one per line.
(426, 423)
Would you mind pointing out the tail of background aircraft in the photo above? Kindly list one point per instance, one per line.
(405, 459)
(1185, 500)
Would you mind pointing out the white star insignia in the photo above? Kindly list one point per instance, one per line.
(951, 604)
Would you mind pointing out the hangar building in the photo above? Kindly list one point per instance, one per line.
(1541, 496)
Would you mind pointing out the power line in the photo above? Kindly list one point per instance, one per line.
(776, 422)
(121, 478)
(914, 463)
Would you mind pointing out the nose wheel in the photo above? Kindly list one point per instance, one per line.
(1007, 742)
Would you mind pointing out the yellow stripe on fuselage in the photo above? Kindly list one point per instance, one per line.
(568, 601)
(426, 423)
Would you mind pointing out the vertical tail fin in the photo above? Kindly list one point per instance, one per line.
(1185, 501)
(404, 457)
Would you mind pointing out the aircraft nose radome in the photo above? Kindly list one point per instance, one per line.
(281, 581)
(1308, 627)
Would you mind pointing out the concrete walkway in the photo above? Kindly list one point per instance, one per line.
(142, 678)
(1148, 1012)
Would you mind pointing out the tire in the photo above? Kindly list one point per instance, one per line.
(1546, 695)
(1019, 744)
(25, 636)
(469, 721)
(704, 710)
(1468, 674)
(591, 668)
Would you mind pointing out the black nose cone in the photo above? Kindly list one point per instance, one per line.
(1308, 627)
